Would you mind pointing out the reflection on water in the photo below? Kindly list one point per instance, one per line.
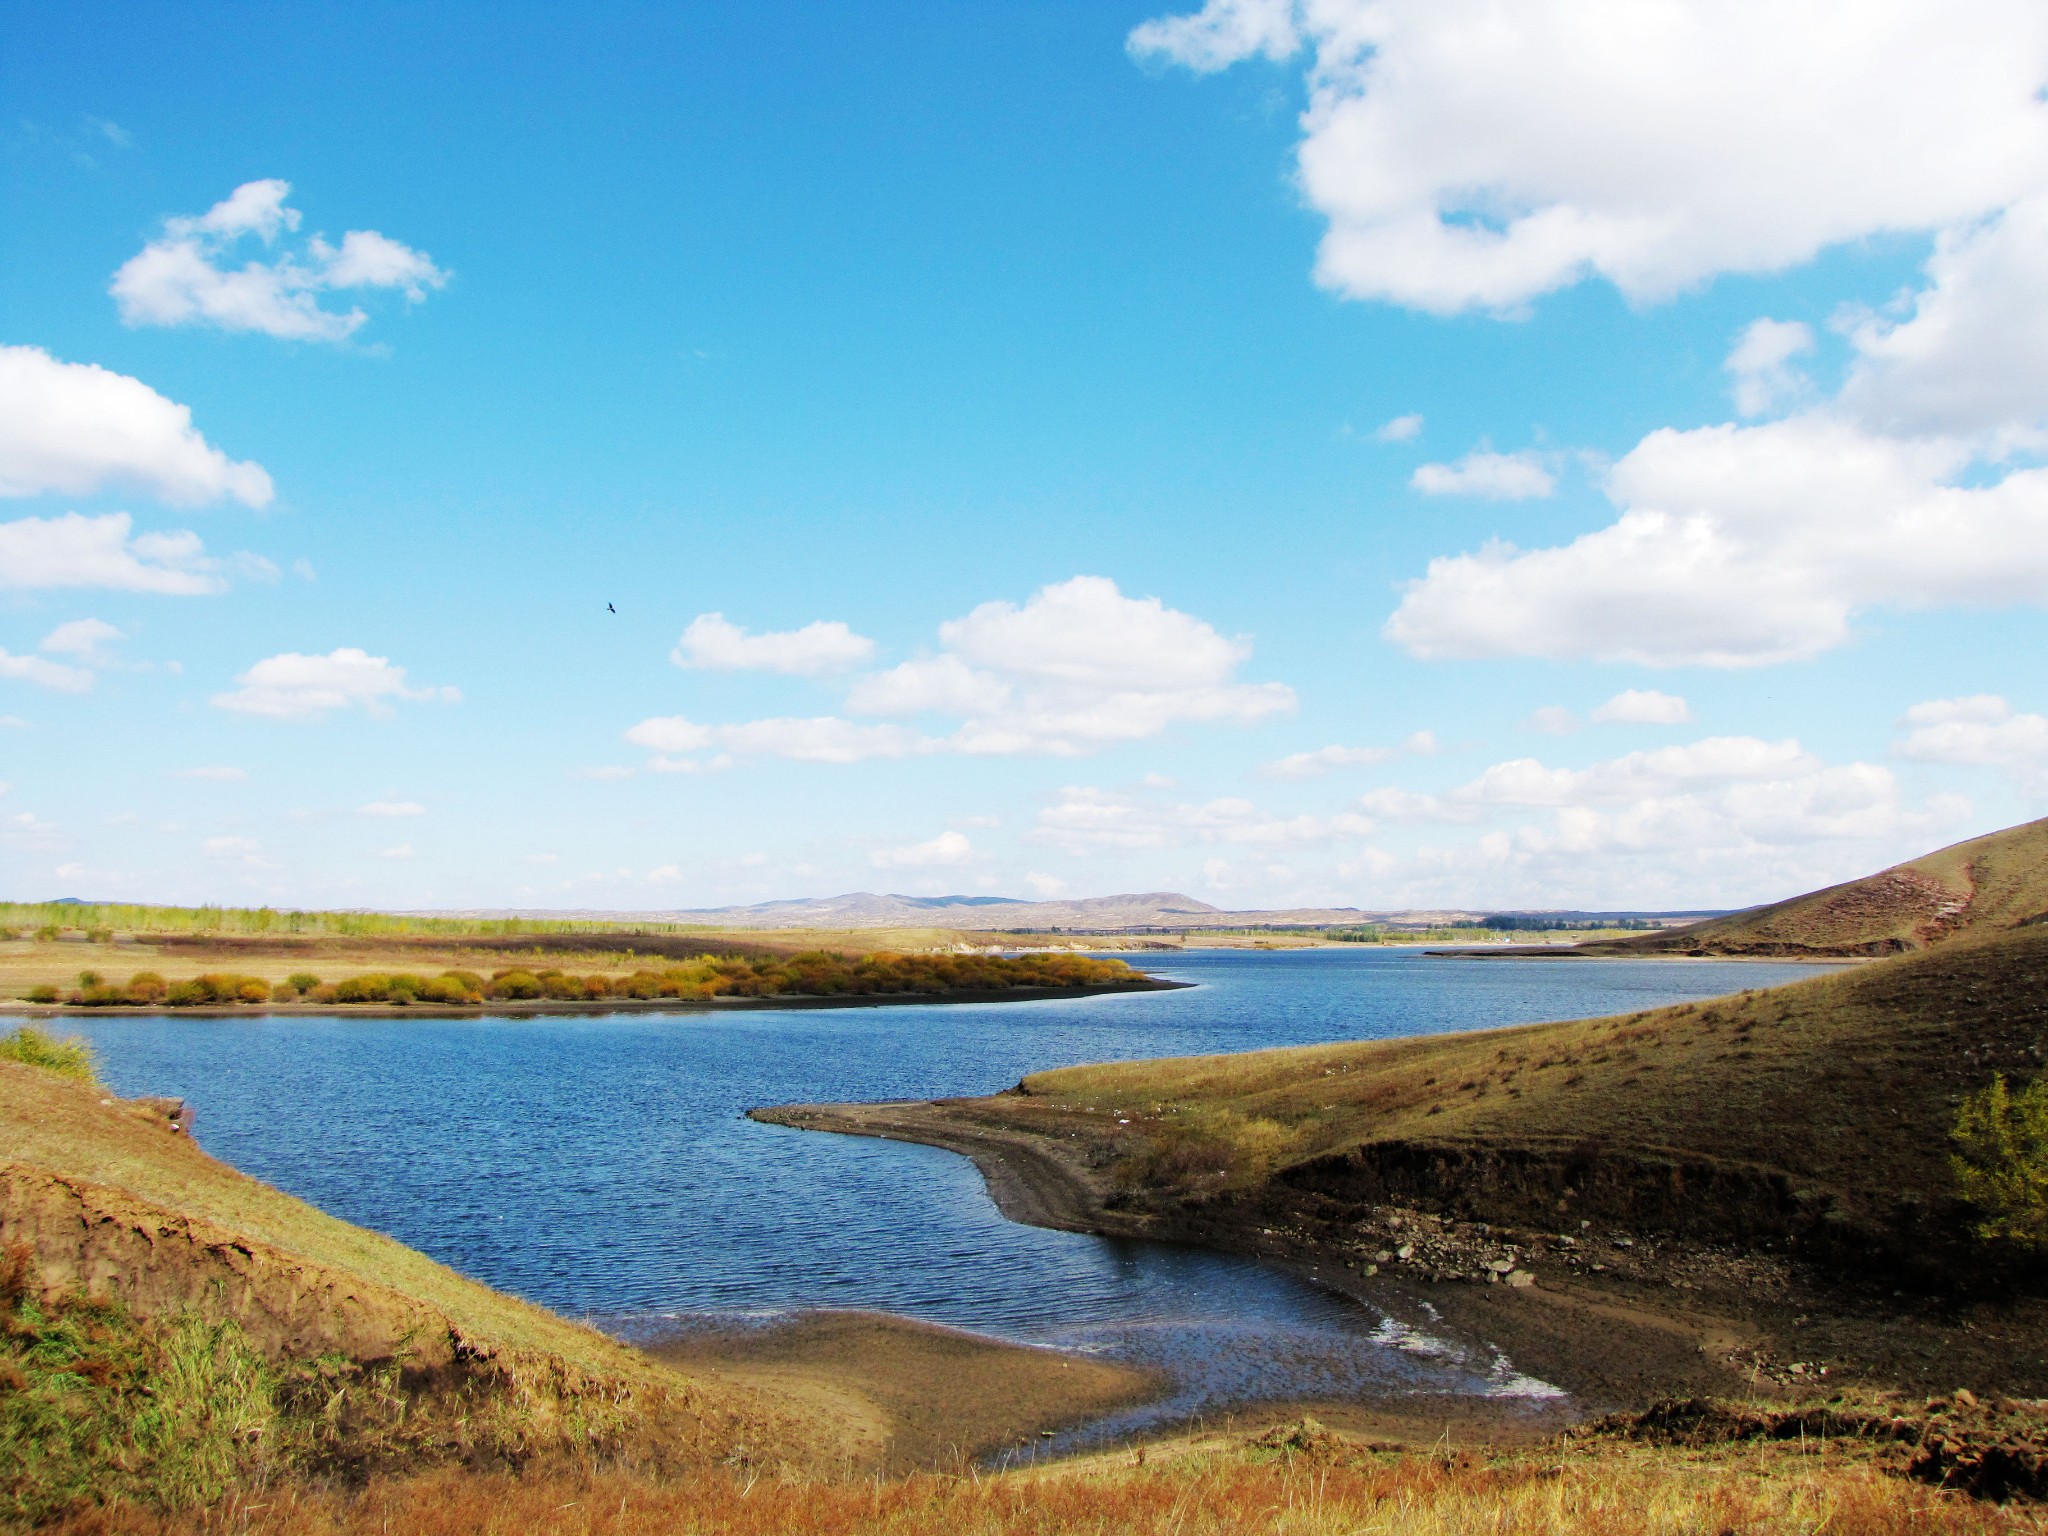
(602, 1167)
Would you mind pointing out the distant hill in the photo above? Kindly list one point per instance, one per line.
(1094, 914)
(1999, 881)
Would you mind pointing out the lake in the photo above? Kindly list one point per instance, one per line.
(601, 1165)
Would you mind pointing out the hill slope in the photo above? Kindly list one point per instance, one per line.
(1992, 882)
(102, 1198)
(1817, 1112)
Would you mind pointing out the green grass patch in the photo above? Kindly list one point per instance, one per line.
(69, 1057)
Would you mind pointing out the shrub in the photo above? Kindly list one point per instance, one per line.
(363, 989)
(42, 994)
(445, 990)
(324, 994)
(69, 1057)
(89, 978)
(146, 987)
(469, 981)
(47, 934)
(302, 981)
(515, 986)
(253, 990)
(597, 986)
(2001, 1160)
(99, 935)
(284, 992)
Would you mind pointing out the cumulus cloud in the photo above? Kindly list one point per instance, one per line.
(713, 643)
(1310, 765)
(85, 639)
(73, 550)
(1968, 354)
(1402, 429)
(1552, 720)
(1981, 731)
(1077, 667)
(1492, 476)
(45, 673)
(1479, 153)
(188, 276)
(1741, 546)
(818, 739)
(76, 428)
(295, 687)
(1727, 818)
(1761, 364)
(949, 850)
(1088, 820)
(1643, 706)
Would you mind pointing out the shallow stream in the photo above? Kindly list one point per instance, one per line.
(601, 1166)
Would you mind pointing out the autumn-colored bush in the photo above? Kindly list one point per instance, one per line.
(515, 986)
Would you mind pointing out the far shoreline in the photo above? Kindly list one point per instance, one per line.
(569, 1007)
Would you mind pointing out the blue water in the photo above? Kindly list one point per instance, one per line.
(601, 1165)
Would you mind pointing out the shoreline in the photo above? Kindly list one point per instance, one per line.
(569, 1007)
(1654, 1318)
(1036, 1184)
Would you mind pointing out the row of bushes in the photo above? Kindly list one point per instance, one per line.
(815, 974)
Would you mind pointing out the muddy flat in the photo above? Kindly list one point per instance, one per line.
(912, 1395)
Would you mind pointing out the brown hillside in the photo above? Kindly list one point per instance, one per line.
(1817, 1112)
(1996, 881)
(109, 1201)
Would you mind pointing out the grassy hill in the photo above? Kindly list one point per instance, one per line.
(1817, 1112)
(1993, 882)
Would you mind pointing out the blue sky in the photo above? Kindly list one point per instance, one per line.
(845, 327)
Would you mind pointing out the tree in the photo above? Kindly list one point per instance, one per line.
(2001, 1160)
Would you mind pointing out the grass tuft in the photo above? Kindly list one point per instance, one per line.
(69, 1057)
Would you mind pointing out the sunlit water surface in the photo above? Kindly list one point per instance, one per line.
(601, 1165)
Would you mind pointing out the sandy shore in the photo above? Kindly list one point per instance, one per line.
(911, 1395)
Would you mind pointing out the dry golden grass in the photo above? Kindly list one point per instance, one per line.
(1757, 1493)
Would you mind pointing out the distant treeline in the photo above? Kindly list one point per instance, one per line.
(814, 974)
(102, 918)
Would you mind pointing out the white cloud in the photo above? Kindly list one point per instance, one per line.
(245, 851)
(1077, 667)
(392, 808)
(1643, 706)
(1969, 355)
(1761, 364)
(12, 723)
(75, 428)
(1086, 820)
(396, 851)
(1402, 429)
(949, 850)
(1982, 731)
(606, 771)
(45, 674)
(711, 642)
(1552, 720)
(1309, 765)
(1493, 476)
(1046, 887)
(820, 739)
(295, 687)
(1479, 153)
(72, 550)
(186, 276)
(1743, 546)
(84, 639)
(215, 774)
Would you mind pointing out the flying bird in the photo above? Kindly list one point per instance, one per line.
(610, 609)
